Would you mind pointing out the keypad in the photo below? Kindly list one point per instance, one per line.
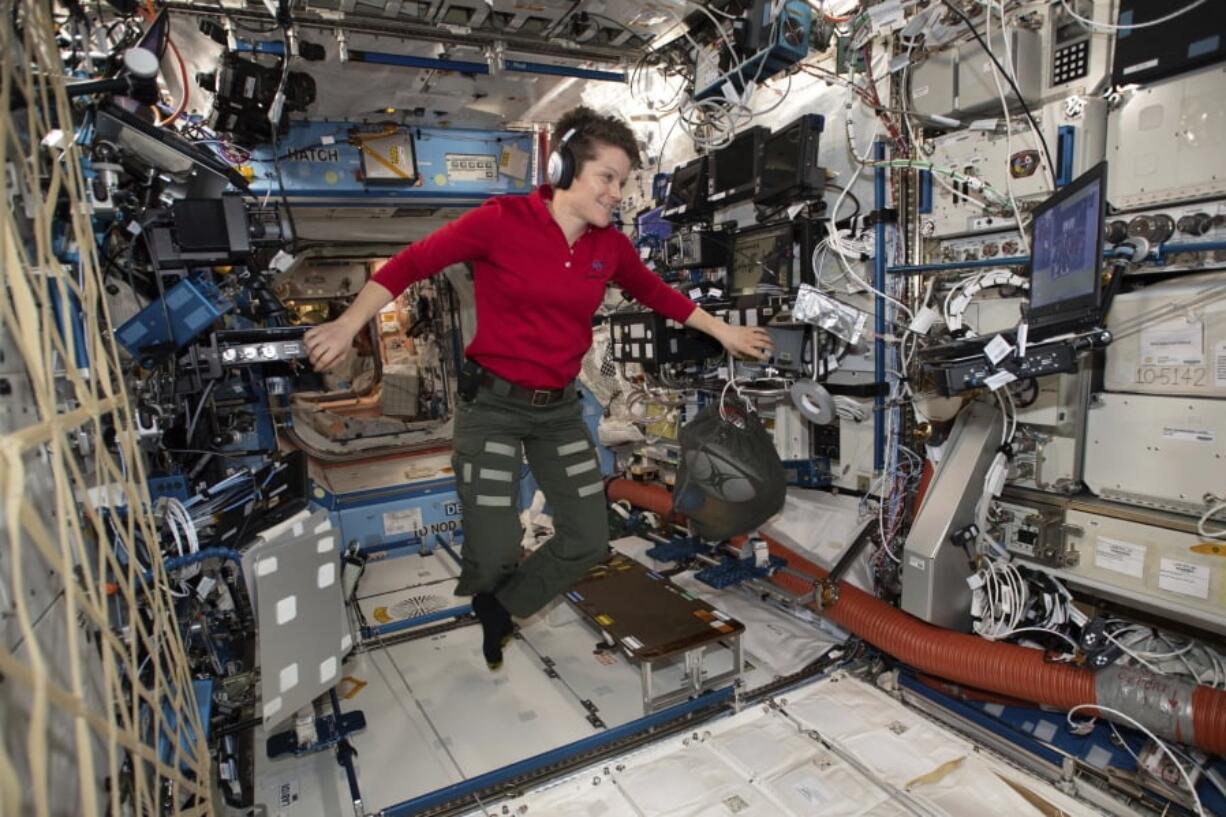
(1070, 62)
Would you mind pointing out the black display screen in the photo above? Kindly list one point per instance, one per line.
(684, 185)
(762, 257)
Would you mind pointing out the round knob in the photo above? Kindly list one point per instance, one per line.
(141, 62)
(1117, 231)
(1195, 224)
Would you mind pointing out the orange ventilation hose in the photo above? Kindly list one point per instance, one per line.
(994, 666)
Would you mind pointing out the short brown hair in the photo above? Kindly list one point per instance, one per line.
(592, 128)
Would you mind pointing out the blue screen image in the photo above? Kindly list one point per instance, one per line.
(1064, 262)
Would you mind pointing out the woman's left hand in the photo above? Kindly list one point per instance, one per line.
(747, 342)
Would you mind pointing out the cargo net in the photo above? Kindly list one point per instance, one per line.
(96, 703)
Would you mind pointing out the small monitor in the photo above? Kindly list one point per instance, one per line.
(686, 199)
(735, 167)
(762, 257)
(789, 163)
(1066, 254)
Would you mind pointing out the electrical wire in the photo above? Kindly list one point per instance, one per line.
(1004, 105)
(1091, 24)
(1200, 809)
(1203, 523)
(1017, 92)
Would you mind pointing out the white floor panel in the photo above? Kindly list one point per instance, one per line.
(764, 761)
(388, 575)
(488, 719)
(609, 681)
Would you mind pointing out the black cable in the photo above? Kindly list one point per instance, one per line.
(276, 159)
(1017, 91)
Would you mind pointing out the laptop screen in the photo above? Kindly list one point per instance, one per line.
(1066, 253)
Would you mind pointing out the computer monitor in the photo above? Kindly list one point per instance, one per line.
(789, 163)
(735, 167)
(1066, 254)
(686, 199)
(763, 256)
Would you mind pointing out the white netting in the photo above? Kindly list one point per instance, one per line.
(96, 702)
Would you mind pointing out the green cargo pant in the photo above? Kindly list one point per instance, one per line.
(492, 435)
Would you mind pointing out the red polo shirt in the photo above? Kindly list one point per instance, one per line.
(535, 294)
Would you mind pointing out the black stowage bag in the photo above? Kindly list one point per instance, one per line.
(730, 480)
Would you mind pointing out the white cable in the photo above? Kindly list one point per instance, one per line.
(1202, 523)
(1088, 23)
(1004, 105)
(1138, 725)
(1050, 172)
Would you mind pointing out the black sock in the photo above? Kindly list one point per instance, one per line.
(496, 627)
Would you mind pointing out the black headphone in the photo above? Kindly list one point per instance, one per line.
(561, 167)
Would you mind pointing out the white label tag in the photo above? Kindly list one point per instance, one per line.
(997, 350)
(402, 521)
(1198, 435)
(1219, 366)
(916, 562)
(695, 293)
(999, 379)
(1184, 578)
(923, 321)
(983, 124)
(715, 292)
(1120, 557)
(1173, 343)
(206, 584)
(327, 139)
(1023, 332)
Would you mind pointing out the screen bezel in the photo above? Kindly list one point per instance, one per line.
(786, 229)
(1084, 306)
(696, 168)
(808, 127)
(753, 141)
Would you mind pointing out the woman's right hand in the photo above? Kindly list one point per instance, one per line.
(328, 343)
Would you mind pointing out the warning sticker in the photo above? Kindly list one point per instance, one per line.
(1184, 578)
(406, 521)
(1173, 343)
(1120, 557)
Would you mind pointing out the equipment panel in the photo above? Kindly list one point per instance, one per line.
(1074, 131)
(1170, 339)
(1166, 142)
(1157, 452)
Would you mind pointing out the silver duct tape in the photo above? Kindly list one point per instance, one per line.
(813, 401)
(1162, 704)
(834, 316)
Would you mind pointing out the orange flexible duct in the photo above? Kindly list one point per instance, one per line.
(994, 666)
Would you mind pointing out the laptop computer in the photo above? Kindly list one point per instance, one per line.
(1066, 251)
